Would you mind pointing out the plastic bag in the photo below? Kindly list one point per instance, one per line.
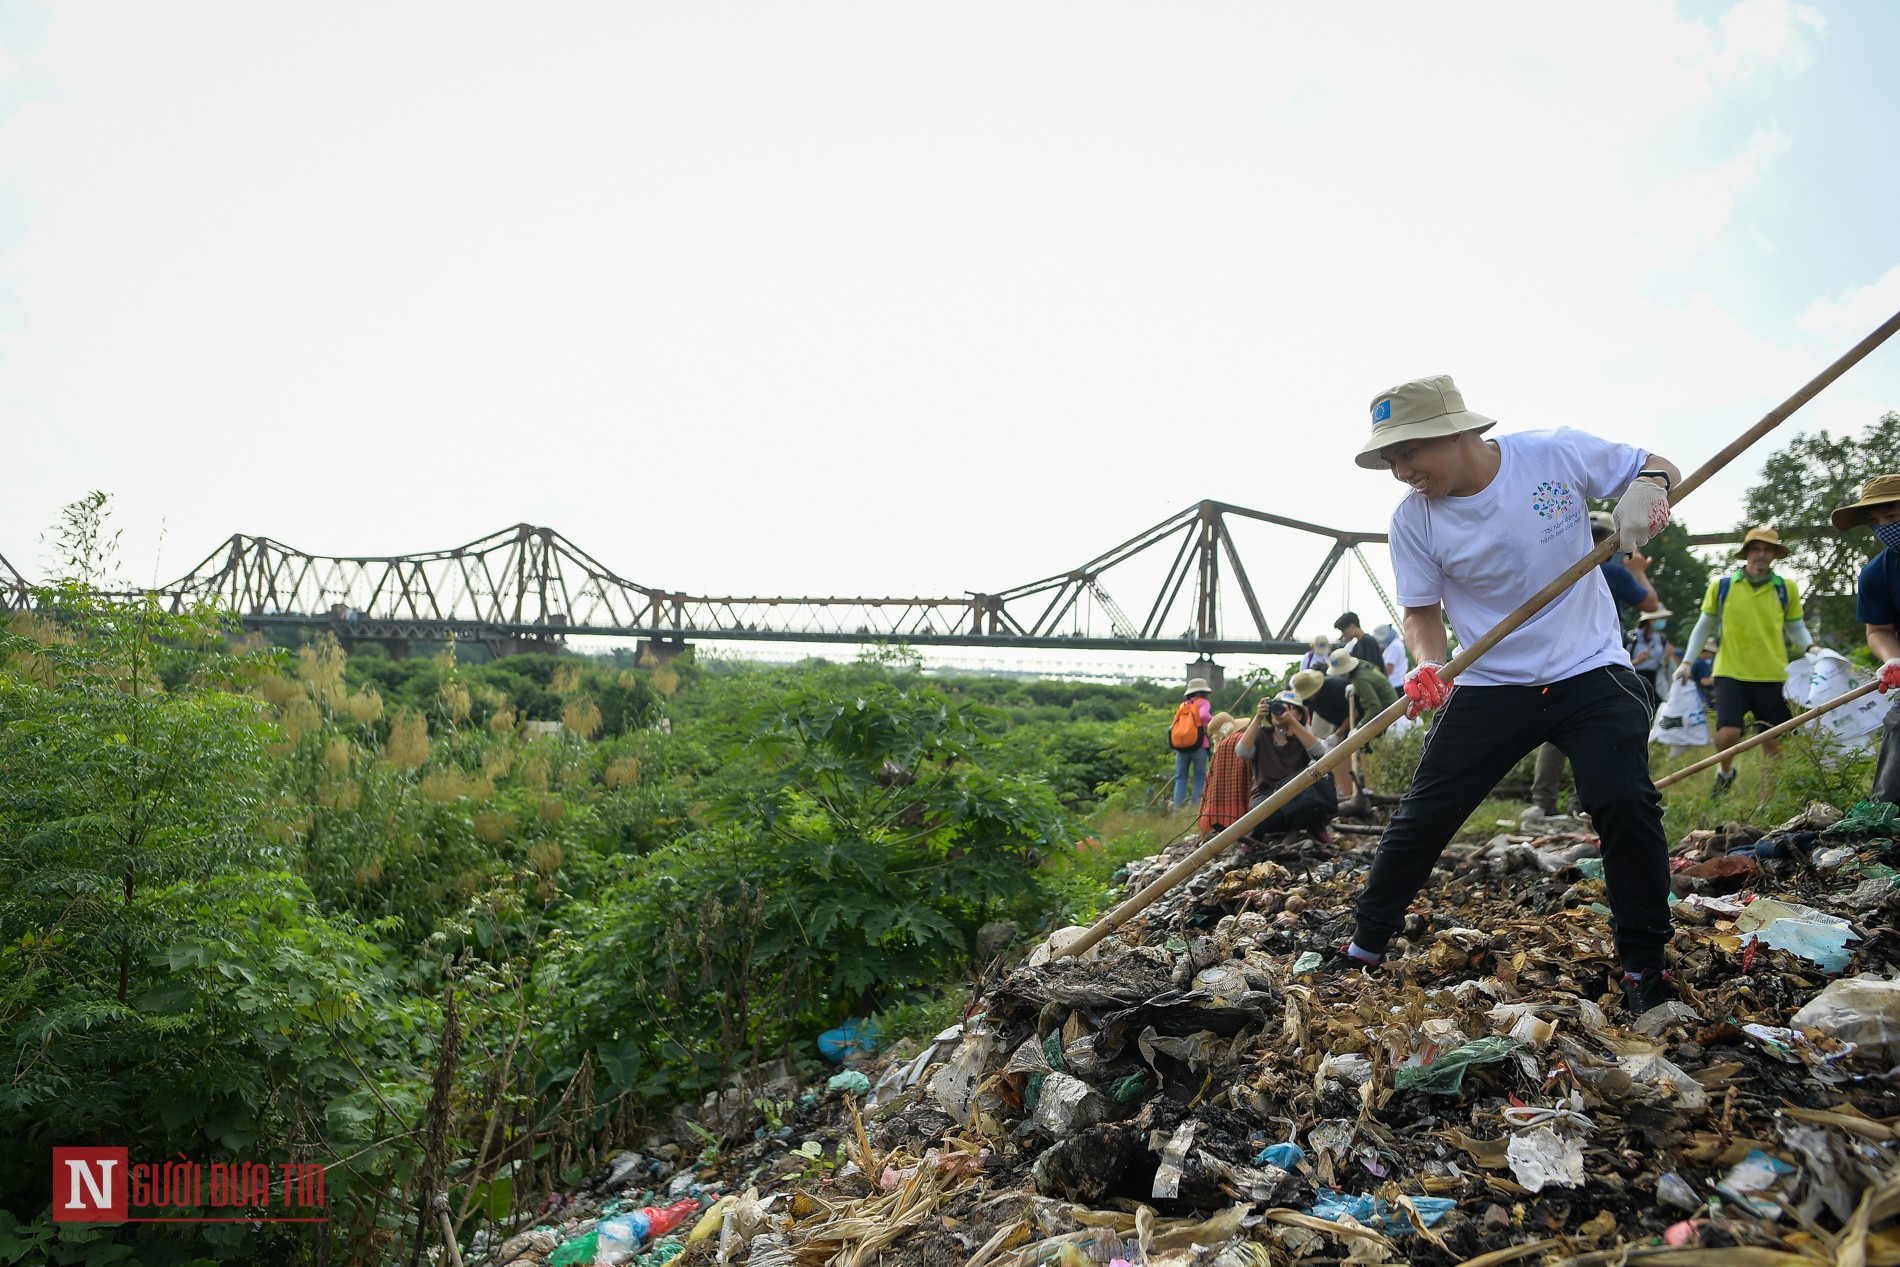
(1824, 674)
(1863, 1010)
(1541, 1157)
(1683, 720)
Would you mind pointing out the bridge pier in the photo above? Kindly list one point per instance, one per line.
(1206, 668)
(662, 650)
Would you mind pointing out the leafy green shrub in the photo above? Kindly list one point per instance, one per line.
(860, 864)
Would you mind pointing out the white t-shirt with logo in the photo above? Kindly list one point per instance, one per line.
(1483, 555)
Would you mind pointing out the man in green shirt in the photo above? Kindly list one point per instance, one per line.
(1758, 614)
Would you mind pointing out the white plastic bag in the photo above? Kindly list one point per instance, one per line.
(1683, 720)
(1824, 674)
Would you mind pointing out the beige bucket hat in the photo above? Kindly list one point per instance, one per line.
(1341, 662)
(1306, 683)
(1422, 409)
(1878, 491)
(1650, 618)
(1769, 535)
(1197, 686)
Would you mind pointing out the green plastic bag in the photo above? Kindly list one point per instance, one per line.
(1876, 818)
(578, 1252)
(1446, 1075)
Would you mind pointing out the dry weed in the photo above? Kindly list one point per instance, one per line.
(338, 754)
(298, 718)
(582, 716)
(364, 707)
(320, 666)
(455, 701)
(622, 772)
(408, 745)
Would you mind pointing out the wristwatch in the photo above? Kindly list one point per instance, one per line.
(1668, 484)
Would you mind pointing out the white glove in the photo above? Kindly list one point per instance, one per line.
(1682, 672)
(1641, 512)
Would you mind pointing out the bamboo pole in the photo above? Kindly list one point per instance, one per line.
(1324, 767)
(1773, 732)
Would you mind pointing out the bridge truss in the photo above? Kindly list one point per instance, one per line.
(527, 587)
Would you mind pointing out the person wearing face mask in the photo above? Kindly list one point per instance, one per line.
(1878, 607)
(1758, 613)
(1650, 653)
(1486, 525)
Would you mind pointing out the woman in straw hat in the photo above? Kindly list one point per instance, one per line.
(1878, 607)
(1758, 612)
(1487, 524)
(1190, 759)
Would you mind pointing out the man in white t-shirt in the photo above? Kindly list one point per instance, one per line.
(1488, 523)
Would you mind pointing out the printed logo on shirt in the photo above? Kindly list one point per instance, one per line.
(1553, 499)
(1381, 411)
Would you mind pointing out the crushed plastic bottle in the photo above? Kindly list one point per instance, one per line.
(621, 1236)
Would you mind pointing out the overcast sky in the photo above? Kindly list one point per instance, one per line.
(902, 298)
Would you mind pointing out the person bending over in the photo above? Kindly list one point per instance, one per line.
(1487, 524)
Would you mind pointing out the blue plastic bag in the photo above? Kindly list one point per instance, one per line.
(856, 1037)
(1371, 1212)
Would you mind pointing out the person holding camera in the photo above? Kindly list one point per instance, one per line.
(1278, 745)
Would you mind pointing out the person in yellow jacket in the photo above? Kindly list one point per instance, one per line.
(1758, 615)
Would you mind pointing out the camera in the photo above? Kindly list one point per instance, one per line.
(1276, 706)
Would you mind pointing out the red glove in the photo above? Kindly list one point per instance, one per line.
(1889, 676)
(1425, 689)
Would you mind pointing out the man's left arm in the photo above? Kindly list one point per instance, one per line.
(1795, 626)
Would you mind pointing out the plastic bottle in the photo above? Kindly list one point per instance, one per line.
(622, 1235)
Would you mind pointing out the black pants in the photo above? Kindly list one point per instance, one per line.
(1309, 811)
(1887, 768)
(1600, 719)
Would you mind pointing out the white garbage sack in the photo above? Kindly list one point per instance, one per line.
(1683, 720)
(1824, 674)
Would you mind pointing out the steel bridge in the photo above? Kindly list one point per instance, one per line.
(528, 587)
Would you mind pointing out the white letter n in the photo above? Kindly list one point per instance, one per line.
(100, 1189)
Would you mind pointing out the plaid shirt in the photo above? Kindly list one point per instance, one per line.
(1228, 792)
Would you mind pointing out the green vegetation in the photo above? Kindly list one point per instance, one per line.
(467, 928)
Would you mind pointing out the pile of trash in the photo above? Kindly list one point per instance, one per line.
(1192, 1091)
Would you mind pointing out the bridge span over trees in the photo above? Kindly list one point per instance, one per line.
(527, 587)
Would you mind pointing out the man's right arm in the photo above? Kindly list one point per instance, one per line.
(1425, 634)
(1884, 642)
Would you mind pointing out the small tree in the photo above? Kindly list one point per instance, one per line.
(165, 982)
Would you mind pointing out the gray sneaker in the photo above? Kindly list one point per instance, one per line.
(1724, 780)
(1533, 815)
